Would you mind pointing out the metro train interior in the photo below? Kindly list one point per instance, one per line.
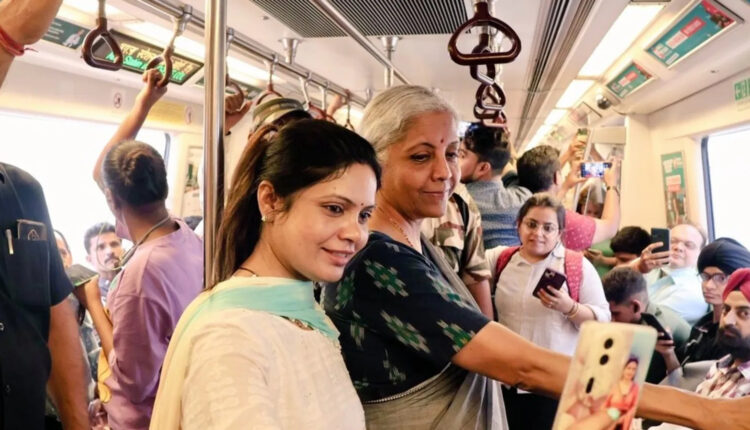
(661, 88)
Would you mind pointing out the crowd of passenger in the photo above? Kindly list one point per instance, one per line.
(382, 279)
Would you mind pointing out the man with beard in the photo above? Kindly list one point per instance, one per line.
(730, 376)
(104, 251)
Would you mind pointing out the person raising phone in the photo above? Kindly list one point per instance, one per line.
(678, 286)
(546, 313)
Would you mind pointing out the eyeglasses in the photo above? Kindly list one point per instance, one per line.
(718, 278)
(688, 244)
(547, 228)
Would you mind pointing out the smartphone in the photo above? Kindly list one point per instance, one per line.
(31, 230)
(653, 322)
(550, 278)
(594, 169)
(79, 275)
(660, 235)
(607, 371)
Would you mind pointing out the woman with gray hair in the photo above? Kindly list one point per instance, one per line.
(419, 351)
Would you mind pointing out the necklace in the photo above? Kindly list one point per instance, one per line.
(254, 275)
(398, 227)
(125, 258)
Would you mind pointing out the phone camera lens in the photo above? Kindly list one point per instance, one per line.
(608, 343)
(604, 360)
(590, 386)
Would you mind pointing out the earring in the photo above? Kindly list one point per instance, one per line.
(262, 218)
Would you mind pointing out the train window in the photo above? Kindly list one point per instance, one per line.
(725, 158)
(60, 153)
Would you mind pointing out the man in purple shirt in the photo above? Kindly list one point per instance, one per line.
(160, 278)
(145, 302)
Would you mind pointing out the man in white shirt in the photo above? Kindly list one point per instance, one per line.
(678, 286)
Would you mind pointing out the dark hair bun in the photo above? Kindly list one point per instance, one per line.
(135, 173)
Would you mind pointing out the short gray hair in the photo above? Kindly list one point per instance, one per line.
(389, 115)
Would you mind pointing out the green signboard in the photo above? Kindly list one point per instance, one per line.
(65, 33)
(742, 94)
(137, 53)
(700, 24)
(673, 172)
(251, 91)
(629, 80)
(742, 89)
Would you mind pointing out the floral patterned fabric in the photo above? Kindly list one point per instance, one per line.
(400, 321)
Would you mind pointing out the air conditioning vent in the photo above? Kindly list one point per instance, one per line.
(371, 17)
(563, 24)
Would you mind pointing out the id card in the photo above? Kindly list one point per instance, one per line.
(606, 374)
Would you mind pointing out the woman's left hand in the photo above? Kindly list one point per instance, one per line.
(555, 299)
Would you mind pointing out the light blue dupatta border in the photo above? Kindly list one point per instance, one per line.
(286, 298)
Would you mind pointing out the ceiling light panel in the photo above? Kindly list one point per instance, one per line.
(573, 93)
(625, 30)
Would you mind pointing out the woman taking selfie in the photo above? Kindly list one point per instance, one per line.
(255, 350)
(419, 351)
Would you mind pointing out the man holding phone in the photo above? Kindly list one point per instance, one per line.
(677, 285)
(629, 303)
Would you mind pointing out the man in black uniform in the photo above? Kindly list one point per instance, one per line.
(33, 286)
(39, 343)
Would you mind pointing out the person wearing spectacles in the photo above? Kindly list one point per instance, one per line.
(673, 275)
(551, 318)
(716, 262)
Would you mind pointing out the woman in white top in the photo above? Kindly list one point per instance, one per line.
(552, 317)
(256, 351)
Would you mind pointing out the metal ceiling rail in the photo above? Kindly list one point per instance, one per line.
(174, 9)
(339, 19)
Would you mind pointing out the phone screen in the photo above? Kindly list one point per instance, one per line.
(594, 169)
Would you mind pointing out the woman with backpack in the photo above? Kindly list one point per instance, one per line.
(549, 316)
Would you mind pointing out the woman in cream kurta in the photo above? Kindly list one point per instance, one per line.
(255, 351)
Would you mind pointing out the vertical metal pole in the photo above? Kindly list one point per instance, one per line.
(213, 135)
(389, 44)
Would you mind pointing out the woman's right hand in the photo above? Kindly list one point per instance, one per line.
(725, 414)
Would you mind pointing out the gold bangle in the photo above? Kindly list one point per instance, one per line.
(576, 308)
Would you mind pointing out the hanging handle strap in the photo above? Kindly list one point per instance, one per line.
(101, 31)
(269, 91)
(482, 17)
(492, 94)
(166, 56)
(487, 78)
(230, 83)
